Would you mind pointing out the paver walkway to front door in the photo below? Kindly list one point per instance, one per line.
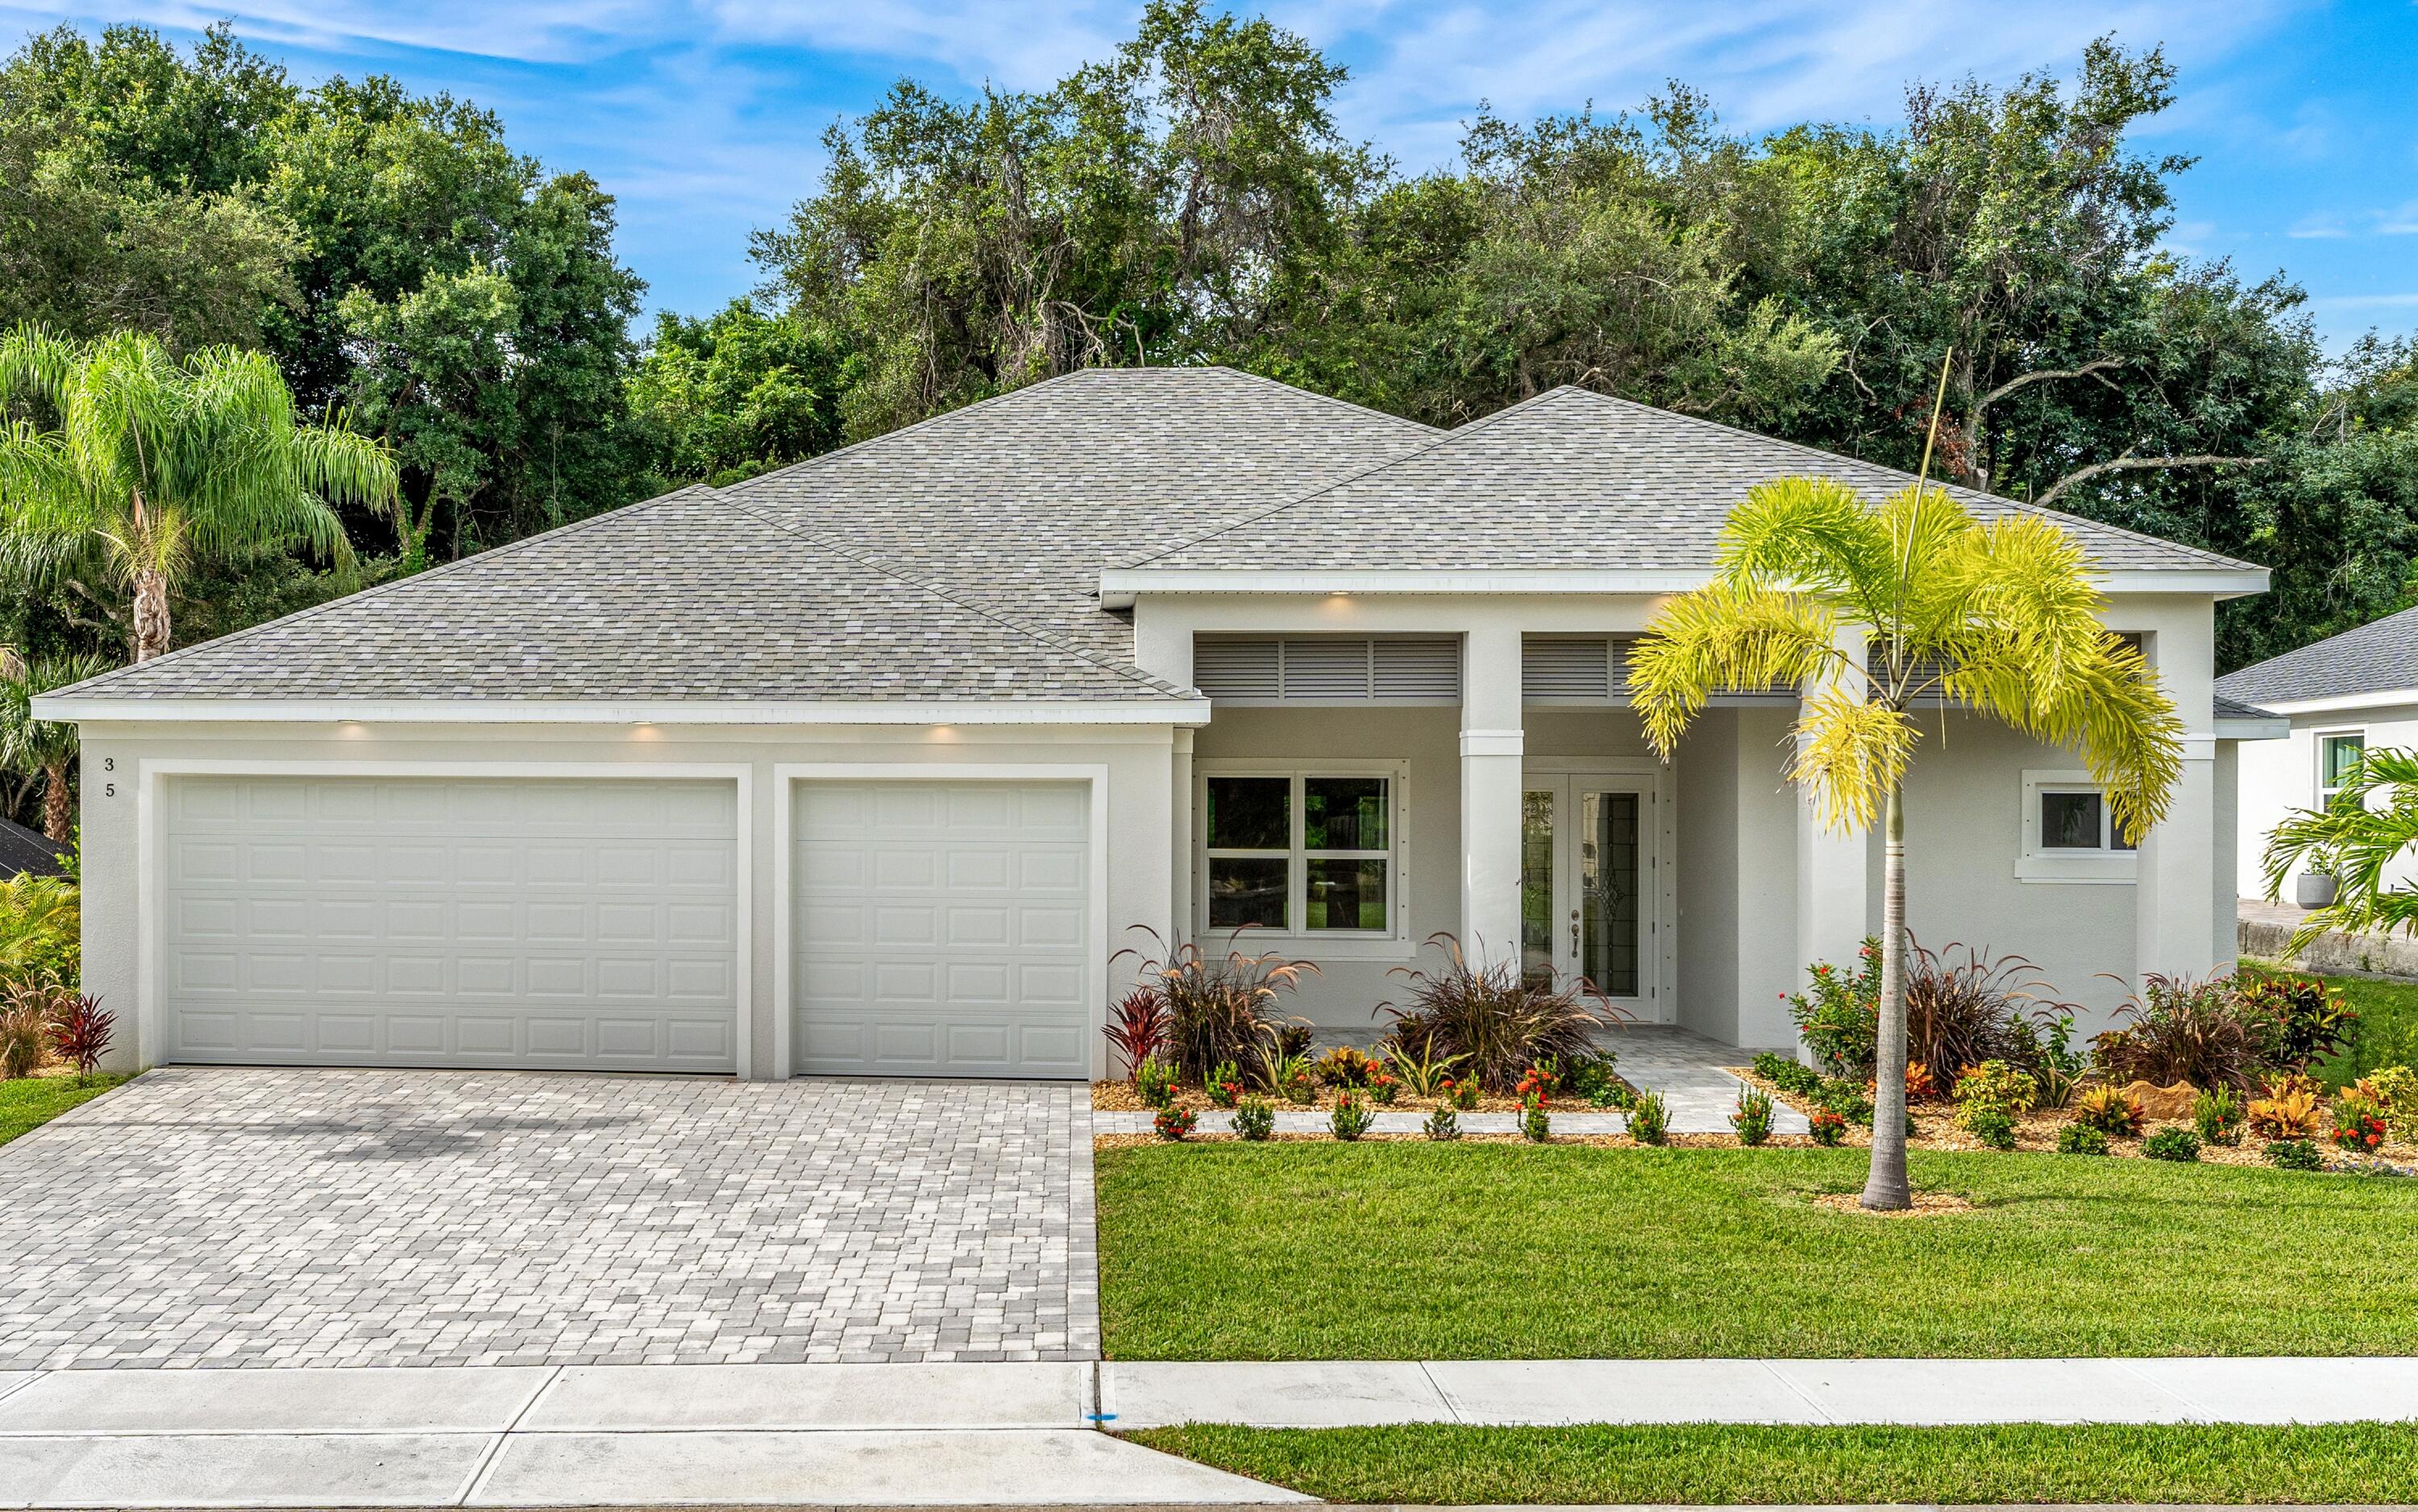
(270, 1217)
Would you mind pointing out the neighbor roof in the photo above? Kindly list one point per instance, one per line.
(1575, 480)
(953, 559)
(23, 851)
(2378, 657)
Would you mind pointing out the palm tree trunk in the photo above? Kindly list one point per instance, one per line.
(56, 817)
(1886, 1188)
(150, 613)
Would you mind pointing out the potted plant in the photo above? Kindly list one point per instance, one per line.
(2314, 890)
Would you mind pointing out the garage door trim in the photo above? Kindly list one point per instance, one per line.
(787, 776)
(151, 841)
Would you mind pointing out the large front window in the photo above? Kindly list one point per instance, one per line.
(1300, 852)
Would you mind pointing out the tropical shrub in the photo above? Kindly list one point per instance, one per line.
(1155, 1079)
(1423, 1076)
(1846, 1099)
(1383, 1085)
(1344, 1066)
(80, 1031)
(1255, 1118)
(1224, 1007)
(1225, 1084)
(2395, 1088)
(1768, 1065)
(2188, 1029)
(2108, 1110)
(2358, 1124)
(1611, 1094)
(1919, 1088)
(2294, 1155)
(1752, 1118)
(1501, 1020)
(1993, 1126)
(1535, 1126)
(41, 930)
(2081, 1140)
(1352, 1116)
(24, 1025)
(1294, 1079)
(1138, 1029)
(1995, 1089)
(1964, 1007)
(1174, 1123)
(1588, 1077)
(1443, 1124)
(1828, 1128)
(2306, 1020)
(1462, 1094)
(2217, 1115)
(1839, 1016)
(1535, 1084)
(2174, 1142)
(2289, 1111)
(1648, 1119)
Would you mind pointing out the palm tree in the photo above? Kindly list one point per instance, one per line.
(43, 747)
(2001, 619)
(155, 460)
(2354, 839)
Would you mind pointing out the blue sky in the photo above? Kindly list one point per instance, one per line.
(702, 116)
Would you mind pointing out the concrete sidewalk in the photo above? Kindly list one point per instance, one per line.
(984, 1434)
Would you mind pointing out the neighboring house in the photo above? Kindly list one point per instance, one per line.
(2343, 696)
(874, 764)
(23, 851)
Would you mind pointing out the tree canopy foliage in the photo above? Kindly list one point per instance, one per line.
(1191, 198)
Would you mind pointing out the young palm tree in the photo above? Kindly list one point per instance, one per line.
(2354, 838)
(155, 461)
(2000, 617)
(42, 746)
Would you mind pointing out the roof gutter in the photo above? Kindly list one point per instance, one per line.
(72, 709)
(1120, 586)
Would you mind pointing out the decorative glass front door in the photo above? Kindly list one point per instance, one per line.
(1587, 885)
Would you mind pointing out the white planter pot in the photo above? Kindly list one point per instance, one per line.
(2313, 890)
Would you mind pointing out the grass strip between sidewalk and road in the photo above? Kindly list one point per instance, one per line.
(1417, 1251)
(2364, 1462)
(30, 1101)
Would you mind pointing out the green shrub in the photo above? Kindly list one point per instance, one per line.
(1175, 1123)
(2080, 1140)
(1649, 1120)
(1344, 1066)
(2174, 1142)
(1839, 1016)
(1352, 1117)
(2305, 1019)
(2294, 1155)
(1591, 1077)
(2358, 1124)
(1294, 1079)
(1768, 1066)
(2108, 1110)
(41, 930)
(1225, 1084)
(1535, 1126)
(1614, 1095)
(1155, 1081)
(1442, 1125)
(1751, 1119)
(1799, 1081)
(1993, 1126)
(1828, 1128)
(2217, 1115)
(1846, 1099)
(1461, 1091)
(2395, 1090)
(1255, 1118)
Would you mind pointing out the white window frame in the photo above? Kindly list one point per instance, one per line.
(2317, 739)
(2037, 863)
(1390, 944)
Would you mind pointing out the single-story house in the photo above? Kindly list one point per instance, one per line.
(874, 764)
(28, 852)
(2341, 698)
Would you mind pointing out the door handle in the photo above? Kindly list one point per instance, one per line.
(1574, 934)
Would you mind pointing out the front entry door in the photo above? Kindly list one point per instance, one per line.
(1588, 886)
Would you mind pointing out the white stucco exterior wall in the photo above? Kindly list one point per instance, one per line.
(2279, 776)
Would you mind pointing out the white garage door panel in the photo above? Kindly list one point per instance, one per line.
(350, 920)
(942, 928)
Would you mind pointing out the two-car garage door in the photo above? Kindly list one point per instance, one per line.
(546, 922)
(937, 927)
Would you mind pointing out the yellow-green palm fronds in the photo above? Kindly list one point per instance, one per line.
(1726, 638)
(1851, 750)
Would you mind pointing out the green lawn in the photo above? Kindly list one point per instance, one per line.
(1428, 1462)
(1422, 1251)
(31, 1102)
(2388, 1028)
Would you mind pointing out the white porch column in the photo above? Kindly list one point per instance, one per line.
(1491, 780)
(1833, 876)
(2175, 894)
(1180, 906)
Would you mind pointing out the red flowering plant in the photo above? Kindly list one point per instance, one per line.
(1174, 1123)
(2358, 1124)
(1225, 1085)
(1460, 1092)
(1828, 1127)
(1384, 1086)
(1536, 1086)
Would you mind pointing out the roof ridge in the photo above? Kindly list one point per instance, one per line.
(824, 542)
(390, 585)
(1355, 407)
(2040, 509)
(1334, 483)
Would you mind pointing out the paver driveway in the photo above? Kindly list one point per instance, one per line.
(273, 1217)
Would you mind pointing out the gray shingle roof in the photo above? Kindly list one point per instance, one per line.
(1574, 479)
(2378, 657)
(955, 559)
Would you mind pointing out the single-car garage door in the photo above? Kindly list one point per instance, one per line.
(348, 921)
(942, 928)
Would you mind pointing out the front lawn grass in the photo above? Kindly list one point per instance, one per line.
(2366, 1462)
(2388, 1028)
(1478, 1251)
(30, 1101)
